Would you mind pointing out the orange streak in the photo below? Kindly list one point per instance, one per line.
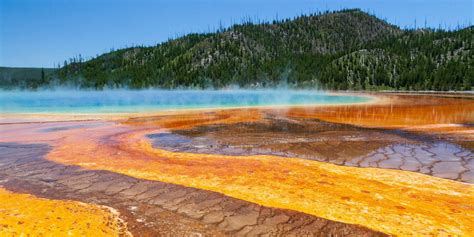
(391, 201)
(396, 111)
(25, 215)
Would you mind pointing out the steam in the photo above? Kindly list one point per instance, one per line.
(124, 101)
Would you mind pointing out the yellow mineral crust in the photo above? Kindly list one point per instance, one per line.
(392, 201)
(27, 215)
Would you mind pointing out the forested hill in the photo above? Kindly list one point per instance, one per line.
(25, 78)
(348, 49)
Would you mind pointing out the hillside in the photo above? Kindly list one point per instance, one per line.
(416, 60)
(348, 49)
(11, 78)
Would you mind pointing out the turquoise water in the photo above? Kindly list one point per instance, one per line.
(126, 101)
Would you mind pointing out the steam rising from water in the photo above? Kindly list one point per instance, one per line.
(122, 101)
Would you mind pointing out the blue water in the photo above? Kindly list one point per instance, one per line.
(125, 101)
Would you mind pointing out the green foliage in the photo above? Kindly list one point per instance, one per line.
(341, 50)
(25, 78)
(418, 60)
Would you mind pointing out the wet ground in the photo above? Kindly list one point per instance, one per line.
(259, 171)
(330, 142)
(151, 208)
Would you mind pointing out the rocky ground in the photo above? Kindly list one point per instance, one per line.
(330, 142)
(153, 208)
(401, 202)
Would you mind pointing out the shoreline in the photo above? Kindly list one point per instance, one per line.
(375, 98)
(72, 116)
(122, 147)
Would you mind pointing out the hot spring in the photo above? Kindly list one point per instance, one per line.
(128, 101)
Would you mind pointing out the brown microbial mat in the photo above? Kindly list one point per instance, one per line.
(324, 141)
(401, 165)
(149, 207)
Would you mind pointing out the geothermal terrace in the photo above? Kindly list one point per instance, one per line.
(395, 165)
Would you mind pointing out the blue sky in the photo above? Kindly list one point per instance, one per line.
(42, 33)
